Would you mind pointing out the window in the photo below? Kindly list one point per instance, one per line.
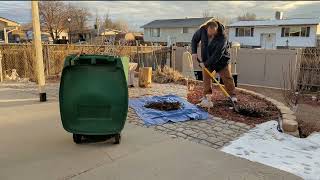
(64, 37)
(285, 32)
(185, 30)
(1, 35)
(295, 32)
(155, 32)
(244, 32)
(305, 31)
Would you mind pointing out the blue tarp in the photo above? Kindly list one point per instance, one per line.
(154, 117)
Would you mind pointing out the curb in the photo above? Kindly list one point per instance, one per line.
(287, 121)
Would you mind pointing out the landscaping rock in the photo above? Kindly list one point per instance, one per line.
(213, 139)
(239, 124)
(217, 128)
(205, 142)
(286, 111)
(203, 136)
(289, 125)
(295, 133)
(160, 128)
(202, 125)
(169, 126)
(288, 116)
(181, 135)
(188, 132)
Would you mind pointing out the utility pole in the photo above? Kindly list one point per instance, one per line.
(38, 50)
(6, 41)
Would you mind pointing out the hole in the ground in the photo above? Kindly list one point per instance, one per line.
(302, 135)
(251, 110)
(164, 105)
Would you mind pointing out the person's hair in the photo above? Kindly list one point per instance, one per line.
(218, 25)
(212, 24)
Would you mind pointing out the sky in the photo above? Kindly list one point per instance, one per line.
(138, 13)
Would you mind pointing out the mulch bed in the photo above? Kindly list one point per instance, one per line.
(259, 110)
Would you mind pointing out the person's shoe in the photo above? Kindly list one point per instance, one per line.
(206, 102)
(131, 86)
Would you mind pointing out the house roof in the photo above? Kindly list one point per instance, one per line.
(10, 22)
(275, 22)
(174, 23)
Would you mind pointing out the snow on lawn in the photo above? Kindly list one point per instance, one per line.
(266, 145)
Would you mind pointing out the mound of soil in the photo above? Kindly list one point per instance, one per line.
(164, 106)
(253, 110)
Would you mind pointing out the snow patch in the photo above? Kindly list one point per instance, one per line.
(266, 145)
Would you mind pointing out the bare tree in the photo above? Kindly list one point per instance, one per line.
(121, 24)
(79, 17)
(53, 15)
(118, 24)
(247, 17)
(107, 22)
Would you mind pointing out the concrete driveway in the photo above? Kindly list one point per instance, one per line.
(35, 146)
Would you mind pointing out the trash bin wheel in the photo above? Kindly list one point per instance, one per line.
(77, 138)
(117, 139)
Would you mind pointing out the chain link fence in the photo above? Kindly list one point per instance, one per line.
(17, 60)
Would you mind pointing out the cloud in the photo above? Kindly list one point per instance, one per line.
(287, 6)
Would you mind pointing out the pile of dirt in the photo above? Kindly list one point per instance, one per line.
(253, 109)
(166, 75)
(164, 106)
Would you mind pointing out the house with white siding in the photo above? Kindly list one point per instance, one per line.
(277, 33)
(172, 31)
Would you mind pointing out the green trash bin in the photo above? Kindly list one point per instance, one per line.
(93, 96)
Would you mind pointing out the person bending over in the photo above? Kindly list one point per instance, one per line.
(215, 56)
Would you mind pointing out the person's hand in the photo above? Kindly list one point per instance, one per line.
(194, 57)
(202, 65)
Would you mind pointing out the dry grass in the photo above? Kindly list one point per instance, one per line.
(166, 75)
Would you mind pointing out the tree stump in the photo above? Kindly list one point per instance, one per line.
(145, 75)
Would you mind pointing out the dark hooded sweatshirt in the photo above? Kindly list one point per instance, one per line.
(215, 55)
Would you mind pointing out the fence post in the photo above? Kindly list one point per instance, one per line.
(47, 59)
(174, 57)
(1, 77)
(296, 71)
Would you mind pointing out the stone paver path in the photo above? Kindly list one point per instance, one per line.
(214, 132)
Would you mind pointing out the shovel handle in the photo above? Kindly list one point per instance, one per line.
(215, 80)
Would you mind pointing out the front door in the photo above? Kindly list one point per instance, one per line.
(268, 41)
